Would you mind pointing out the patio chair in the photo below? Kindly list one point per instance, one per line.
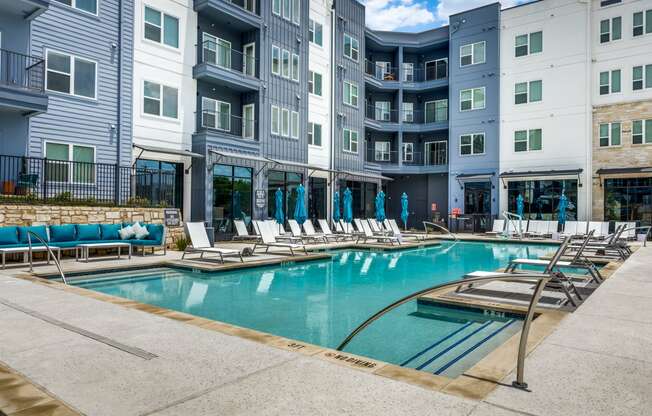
(630, 231)
(536, 229)
(600, 229)
(515, 227)
(396, 231)
(611, 247)
(347, 228)
(278, 231)
(369, 235)
(497, 228)
(242, 233)
(296, 232)
(200, 243)
(309, 229)
(570, 229)
(268, 240)
(326, 230)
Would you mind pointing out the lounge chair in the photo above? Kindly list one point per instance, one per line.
(536, 229)
(277, 231)
(358, 226)
(610, 247)
(347, 228)
(600, 229)
(296, 232)
(630, 230)
(497, 228)
(570, 229)
(375, 227)
(309, 229)
(515, 227)
(396, 231)
(369, 235)
(200, 243)
(326, 230)
(242, 233)
(268, 240)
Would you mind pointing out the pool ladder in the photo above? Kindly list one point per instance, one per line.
(541, 281)
(31, 234)
(442, 228)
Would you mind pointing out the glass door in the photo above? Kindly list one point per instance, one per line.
(248, 121)
(477, 198)
(382, 110)
(249, 59)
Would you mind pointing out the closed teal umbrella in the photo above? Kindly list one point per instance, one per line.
(237, 210)
(348, 206)
(563, 204)
(380, 207)
(404, 209)
(336, 206)
(520, 205)
(278, 215)
(300, 214)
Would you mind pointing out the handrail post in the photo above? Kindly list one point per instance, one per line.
(49, 253)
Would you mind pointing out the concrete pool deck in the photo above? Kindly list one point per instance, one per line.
(597, 361)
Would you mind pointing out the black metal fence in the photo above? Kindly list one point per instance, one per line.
(21, 71)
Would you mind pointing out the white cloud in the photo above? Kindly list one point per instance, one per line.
(445, 8)
(397, 14)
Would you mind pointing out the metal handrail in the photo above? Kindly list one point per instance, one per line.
(642, 227)
(510, 217)
(50, 253)
(542, 280)
(432, 224)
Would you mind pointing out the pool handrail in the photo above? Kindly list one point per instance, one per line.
(50, 253)
(511, 217)
(432, 224)
(541, 280)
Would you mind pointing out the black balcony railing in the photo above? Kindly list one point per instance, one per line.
(246, 128)
(434, 71)
(220, 54)
(379, 154)
(382, 71)
(21, 71)
(433, 115)
(381, 113)
(248, 5)
(436, 153)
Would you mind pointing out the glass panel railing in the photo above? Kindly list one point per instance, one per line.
(219, 53)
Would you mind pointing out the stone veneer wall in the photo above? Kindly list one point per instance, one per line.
(627, 155)
(54, 214)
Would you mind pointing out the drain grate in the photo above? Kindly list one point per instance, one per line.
(88, 334)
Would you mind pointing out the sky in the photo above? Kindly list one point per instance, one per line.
(419, 15)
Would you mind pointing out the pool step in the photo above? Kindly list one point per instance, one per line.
(451, 350)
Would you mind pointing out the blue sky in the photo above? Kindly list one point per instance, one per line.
(418, 15)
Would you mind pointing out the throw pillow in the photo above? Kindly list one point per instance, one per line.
(127, 232)
(140, 231)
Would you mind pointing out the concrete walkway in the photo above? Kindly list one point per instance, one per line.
(598, 362)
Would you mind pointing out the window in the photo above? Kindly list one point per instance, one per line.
(408, 112)
(294, 125)
(248, 121)
(285, 122)
(58, 163)
(610, 134)
(408, 152)
(382, 112)
(381, 151)
(159, 100)
(296, 11)
(642, 77)
(610, 29)
(527, 92)
(472, 54)
(315, 33)
(350, 141)
(472, 99)
(287, 9)
(276, 120)
(642, 132)
(217, 51)
(314, 83)
(161, 27)
(351, 47)
(276, 60)
(437, 69)
(436, 111)
(276, 7)
(70, 74)
(216, 114)
(604, 3)
(295, 67)
(314, 134)
(350, 93)
(642, 23)
(472, 144)
(89, 6)
(408, 72)
(527, 140)
(609, 82)
(528, 44)
(286, 64)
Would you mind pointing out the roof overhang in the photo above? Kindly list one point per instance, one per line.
(166, 151)
(623, 171)
(540, 173)
(367, 175)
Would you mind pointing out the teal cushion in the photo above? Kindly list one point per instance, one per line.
(87, 232)
(8, 235)
(155, 232)
(110, 231)
(59, 233)
(144, 243)
(40, 230)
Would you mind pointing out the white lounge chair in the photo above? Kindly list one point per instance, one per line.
(242, 233)
(375, 227)
(201, 244)
(600, 229)
(277, 230)
(396, 231)
(515, 227)
(570, 229)
(309, 229)
(629, 233)
(369, 235)
(268, 240)
(296, 232)
(497, 228)
(326, 230)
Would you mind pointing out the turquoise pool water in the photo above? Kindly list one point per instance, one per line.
(322, 301)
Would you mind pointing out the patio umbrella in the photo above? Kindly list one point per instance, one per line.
(278, 215)
(520, 205)
(336, 206)
(300, 214)
(563, 203)
(348, 206)
(404, 209)
(380, 207)
(237, 211)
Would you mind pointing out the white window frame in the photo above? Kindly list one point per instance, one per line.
(472, 45)
(277, 110)
(70, 162)
(276, 48)
(286, 71)
(73, 5)
(643, 79)
(407, 152)
(357, 139)
(383, 111)
(529, 42)
(348, 100)
(643, 133)
(217, 104)
(294, 124)
(296, 12)
(473, 91)
(407, 65)
(285, 127)
(217, 41)
(609, 135)
(71, 75)
(484, 144)
(280, 7)
(528, 148)
(426, 153)
(382, 151)
(312, 83)
(410, 112)
(435, 61)
(610, 31)
(162, 27)
(313, 27)
(252, 121)
(643, 26)
(382, 68)
(356, 49)
(246, 58)
(311, 134)
(295, 69)
(610, 84)
(286, 9)
(160, 114)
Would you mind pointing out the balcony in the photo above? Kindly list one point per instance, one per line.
(429, 77)
(229, 129)
(22, 87)
(219, 64)
(381, 74)
(421, 121)
(24, 9)
(242, 15)
(381, 117)
(433, 160)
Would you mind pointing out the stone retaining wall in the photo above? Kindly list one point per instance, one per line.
(54, 214)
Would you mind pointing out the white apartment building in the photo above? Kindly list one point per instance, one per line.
(164, 99)
(545, 112)
(319, 99)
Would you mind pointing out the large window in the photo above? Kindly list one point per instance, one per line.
(285, 67)
(70, 163)
(317, 198)
(314, 134)
(295, 67)
(436, 111)
(276, 60)
(363, 195)
(381, 151)
(216, 114)
(642, 132)
(541, 198)
(161, 27)
(472, 99)
(642, 23)
(527, 140)
(408, 152)
(287, 182)
(642, 77)
(472, 53)
(314, 83)
(528, 92)
(350, 95)
(610, 134)
(216, 51)
(315, 33)
(70, 74)
(628, 199)
(528, 44)
(610, 29)
(232, 196)
(160, 100)
(89, 6)
(472, 144)
(350, 141)
(351, 47)
(285, 122)
(160, 183)
(610, 82)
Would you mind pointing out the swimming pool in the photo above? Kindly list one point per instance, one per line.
(322, 301)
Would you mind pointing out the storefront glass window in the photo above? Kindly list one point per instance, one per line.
(628, 199)
(287, 182)
(542, 198)
(160, 183)
(232, 196)
(317, 199)
(364, 196)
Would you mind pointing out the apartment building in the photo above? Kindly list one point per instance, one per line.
(621, 92)
(545, 104)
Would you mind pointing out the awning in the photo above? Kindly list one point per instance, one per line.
(475, 176)
(617, 171)
(532, 173)
(288, 163)
(367, 175)
(166, 151)
(247, 156)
